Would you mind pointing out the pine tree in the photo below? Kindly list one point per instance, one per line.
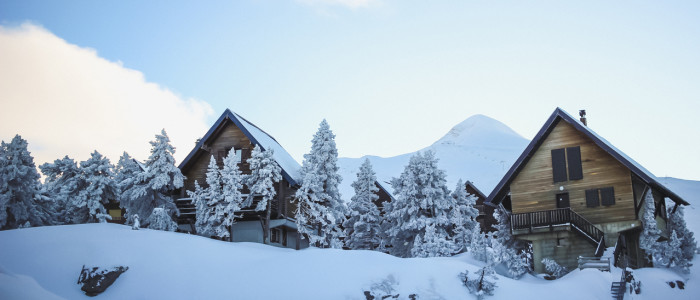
(126, 172)
(650, 230)
(506, 249)
(432, 244)
(264, 173)
(20, 200)
(553, 268)
(320, 211)
(64, 183)
(676, 222)
(362, 228)
(463, 217)
(672, 254)
(421, 199)
(206, 199)
(154, 186)
(232, 181)
(202, 212)
(479, 247)
(100, 188)
(160, 220)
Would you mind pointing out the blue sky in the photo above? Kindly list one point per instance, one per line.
(393, 76)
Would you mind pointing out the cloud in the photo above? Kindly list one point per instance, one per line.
(66, 100)
(346, 3)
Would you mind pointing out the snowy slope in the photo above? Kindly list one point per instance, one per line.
(479, 149)
(38, 263)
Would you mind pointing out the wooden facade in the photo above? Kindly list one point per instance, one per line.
(571, 193)
(232, 132)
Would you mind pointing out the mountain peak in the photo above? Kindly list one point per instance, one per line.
(477, 130)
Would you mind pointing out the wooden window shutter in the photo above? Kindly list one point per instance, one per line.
(559, 165)
(573, 157)
(607, 196)
(592, 198)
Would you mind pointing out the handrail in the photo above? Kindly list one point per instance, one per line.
(556, 217)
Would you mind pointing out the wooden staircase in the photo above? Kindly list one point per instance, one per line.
(618, 289)
(549, 219)
(188, 213)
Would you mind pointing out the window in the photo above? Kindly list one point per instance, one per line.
(274, 235)
(566, 164)
(603, 196)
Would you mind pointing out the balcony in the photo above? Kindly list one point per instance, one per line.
(557, 219)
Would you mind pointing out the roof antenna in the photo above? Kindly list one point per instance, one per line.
(582, 113)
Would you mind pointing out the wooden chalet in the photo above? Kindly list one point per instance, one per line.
(231, 131)
(485, 217)
(571, 193)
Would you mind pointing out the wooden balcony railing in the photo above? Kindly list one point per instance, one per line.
(559, 217)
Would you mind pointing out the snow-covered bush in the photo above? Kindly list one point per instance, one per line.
(480, 246)
(160, 220)
(482, 283)
(513, 253)
(553, 268)
(422, 198)
(362, 228)
(320, 211)
(673, 254)
(135, 225)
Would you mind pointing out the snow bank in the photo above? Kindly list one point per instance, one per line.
(168, 265)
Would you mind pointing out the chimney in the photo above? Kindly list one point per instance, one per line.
(582, 113)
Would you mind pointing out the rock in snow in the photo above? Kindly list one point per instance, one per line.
(96, 280)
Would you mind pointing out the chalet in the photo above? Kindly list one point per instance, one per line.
(231, 131)
(485, 217)
(571, 193)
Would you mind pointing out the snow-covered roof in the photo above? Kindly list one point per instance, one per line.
(290, 167)
(561, 115)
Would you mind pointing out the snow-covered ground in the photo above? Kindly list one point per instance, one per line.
(484, 145)
(44, 263)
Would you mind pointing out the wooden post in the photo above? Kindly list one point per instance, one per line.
(549, 216)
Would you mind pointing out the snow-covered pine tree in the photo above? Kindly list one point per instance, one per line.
(264, 173)
(320, 211)
(421, 199)
(676, 222)
(154, 186)
(479, 247)
(100, 188)
(63, 183)
(508, 250)
(482, 283)
(125, 176)
(362, 228)
(672, 255)
(199, 199)
(160, 220)
(206, 199)
(21, 202)
(432, 244)
(463, 217)
(232, 181)
(650, 230)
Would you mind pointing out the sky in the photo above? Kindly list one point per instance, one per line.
(389, 76)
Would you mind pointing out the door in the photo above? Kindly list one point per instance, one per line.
(563, 200)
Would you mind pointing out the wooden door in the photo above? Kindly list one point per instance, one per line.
(563, 200)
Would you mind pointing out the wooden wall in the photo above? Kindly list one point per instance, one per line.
(226, 137)
(533, 188)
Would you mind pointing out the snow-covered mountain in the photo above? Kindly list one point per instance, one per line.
(479, 149)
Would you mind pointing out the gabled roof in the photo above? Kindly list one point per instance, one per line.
(478, 191)
(560, 115)
(259, 138)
